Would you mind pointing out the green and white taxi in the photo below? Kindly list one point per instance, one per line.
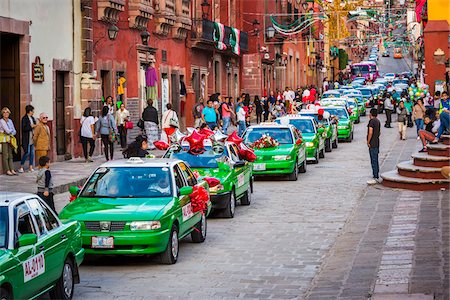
(345, 124)
(286, 157)
(139, 206)
(330, 126)
(38, 252)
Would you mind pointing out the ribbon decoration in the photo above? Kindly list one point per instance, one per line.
(219, 35)
(235, 39)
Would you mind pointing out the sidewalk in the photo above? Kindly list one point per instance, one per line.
(65, 174)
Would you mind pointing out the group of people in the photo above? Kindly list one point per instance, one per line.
(221, 112)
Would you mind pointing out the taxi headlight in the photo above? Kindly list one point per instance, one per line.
(309, 144)
(216, 188)
(282, 157)
(145, 225)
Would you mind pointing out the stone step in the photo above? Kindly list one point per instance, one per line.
(394, 180)
(427, 160)
(439, 149)
(408, 169)
(446, 139)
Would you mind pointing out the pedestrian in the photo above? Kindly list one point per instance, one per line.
(266, 106)
(151, 122)
(87, 134)
(241, 118)
(429, 134)
(226, 115)
(325, 84)
(27, 125)
(389, 109)
(259, 109)
(209, 115)
(122, 116)
(418, 114)
(106, 127)
(170, 122)
(373, 142)
(41, 137)
(197, 113)
(138, 148)
(44, 182)
(402, 119)
(437, 100)
(8, 142)
(409, 107)
(110, 104)
(444, 111)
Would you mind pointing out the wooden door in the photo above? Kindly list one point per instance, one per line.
(60, 115)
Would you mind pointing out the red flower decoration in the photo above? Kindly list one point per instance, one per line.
(212, 182)
(235, 138)
(247, 155)
(199, 198)
(195, 141)
(161, 145)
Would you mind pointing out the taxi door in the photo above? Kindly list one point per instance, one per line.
(301, 152)
(242, 174)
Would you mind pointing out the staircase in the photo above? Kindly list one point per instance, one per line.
(423, 172)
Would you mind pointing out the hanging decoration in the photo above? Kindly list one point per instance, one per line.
(195, 141)
(235, 39)
(219, 36)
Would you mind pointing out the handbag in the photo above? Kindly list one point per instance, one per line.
(173, 122)
(140, 124)
(112, 133)
(129, 125)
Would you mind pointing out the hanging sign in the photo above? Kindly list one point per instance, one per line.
(37, 70)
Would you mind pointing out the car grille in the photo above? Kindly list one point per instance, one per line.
(95, 225)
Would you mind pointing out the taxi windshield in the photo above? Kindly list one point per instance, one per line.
(282, 135)
(339, 112)
(208, 159)
(3, 227)
(366, 92)
(126, 182)
(305, 126)
(315, 116)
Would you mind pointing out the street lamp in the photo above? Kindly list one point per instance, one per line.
(205, 9)
(112, 32)
(255, 27)
(145, 35)
(270, 32)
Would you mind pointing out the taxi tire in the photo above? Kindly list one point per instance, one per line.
(5, 294)
(316, 158)
(167, 257)
(197, 235)
(294, 175)
(247, 197)
(302, 169)
(229, 211)
(328, 147)
(58, 291)
(322, 153)
(335, 143)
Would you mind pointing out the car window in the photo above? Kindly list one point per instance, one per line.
(234, 154)
(3, 227)
(36, 211)
(188, 174)
(24, 222)
(179, 181)
(44, 214)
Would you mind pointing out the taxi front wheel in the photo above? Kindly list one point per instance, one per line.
(198, 235)
(170, 255)
(5, 294)
(64, 285)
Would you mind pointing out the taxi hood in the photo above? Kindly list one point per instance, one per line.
(212, 172)
(115, 209)
(308, 137)
(284, 149)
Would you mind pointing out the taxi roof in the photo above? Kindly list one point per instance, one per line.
(297, 116)
(269, 124)
(136, 162)
(6, 198)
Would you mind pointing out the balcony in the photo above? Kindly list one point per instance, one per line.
(140, 12)
(183, 23)
(164, 16)
(203, 37)
(109, 10)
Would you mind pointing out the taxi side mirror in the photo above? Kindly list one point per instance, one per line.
(74, 190)
(27, 239)
(186, 190)
(320, 130)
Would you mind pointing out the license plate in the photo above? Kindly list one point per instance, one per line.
(259, 167)
(102, 242)
(33, 267)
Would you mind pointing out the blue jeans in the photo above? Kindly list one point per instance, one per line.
(419, 125)
(241, 128)
(211, 125)
(445, 120)
(29, 154)
(374, 162)
(226, 124)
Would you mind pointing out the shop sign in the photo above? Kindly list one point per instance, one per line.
(37, 70)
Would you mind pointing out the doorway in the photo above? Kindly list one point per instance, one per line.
(106, 83)
(10, 79)
(175, 92)
(60, 119)
(196, 84)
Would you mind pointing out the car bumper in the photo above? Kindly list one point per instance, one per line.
(275, 168)
(79, 256)
(129, 243)
(344, 133)
(311, 153)
(220, 200)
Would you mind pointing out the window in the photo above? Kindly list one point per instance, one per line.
(178, 177)
(37, 212)
(4, 227)
(234, 154)
(191, 180)
(47, 216)
(24, 222)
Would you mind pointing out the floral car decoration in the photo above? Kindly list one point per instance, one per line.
(266, 141)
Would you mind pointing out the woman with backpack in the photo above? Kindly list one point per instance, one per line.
(107, 129)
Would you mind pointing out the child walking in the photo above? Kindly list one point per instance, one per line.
(45, 182)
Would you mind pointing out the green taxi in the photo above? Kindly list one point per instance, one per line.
(330, 126)
(223, 163)
(353, 110)
(313, 135)
(138, 206)
(361, 103)
(345, 124)
(288, 157)
(38, 252)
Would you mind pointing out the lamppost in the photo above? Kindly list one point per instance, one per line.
(205, 9)
(113, 30)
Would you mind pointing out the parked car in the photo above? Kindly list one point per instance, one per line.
(345, 124)
(385, 53)
(287, 158)
(138, 206)
(331, 94)
(361, 103)
(389, 77)
(223, 163)
(38, 252)
(330, 126)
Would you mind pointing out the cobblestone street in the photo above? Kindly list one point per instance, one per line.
(328, 236)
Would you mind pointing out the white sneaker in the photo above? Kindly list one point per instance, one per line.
(20, 170)
(371, 181)
(378, 180)
(418, 138)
